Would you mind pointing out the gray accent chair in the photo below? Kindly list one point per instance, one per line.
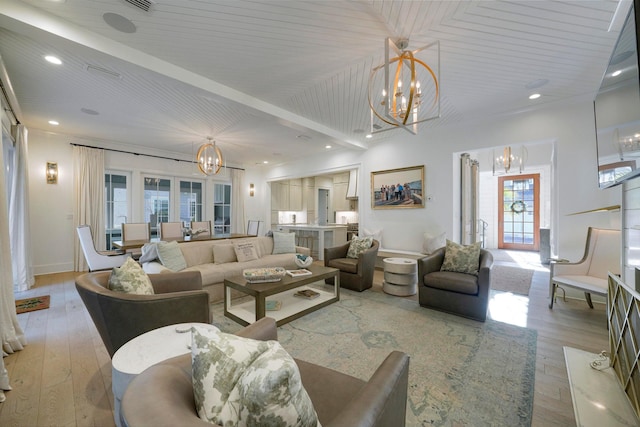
(355, 274)
(162, 395)
(119, 317)
(456, 293)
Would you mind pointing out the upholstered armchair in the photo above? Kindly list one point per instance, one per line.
(355, 273)
(119, 316)
(462, 294)
(163, 393)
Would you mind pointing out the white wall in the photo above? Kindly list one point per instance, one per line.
(573, 183)
(572, 186)
(52, 220)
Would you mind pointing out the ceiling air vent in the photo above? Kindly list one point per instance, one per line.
(99, 71)
(141, 4)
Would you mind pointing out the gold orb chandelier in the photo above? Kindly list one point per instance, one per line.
(209, 158)
(404, 91)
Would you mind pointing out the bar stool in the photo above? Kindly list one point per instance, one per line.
(305, 239)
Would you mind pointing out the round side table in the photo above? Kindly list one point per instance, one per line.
(146, 350)
(400, 276)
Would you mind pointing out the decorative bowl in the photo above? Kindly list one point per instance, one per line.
(265, 274)
(303, 261)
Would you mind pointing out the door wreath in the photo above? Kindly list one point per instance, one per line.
(518, 206)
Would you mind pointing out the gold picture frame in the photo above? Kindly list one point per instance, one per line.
(401, 188)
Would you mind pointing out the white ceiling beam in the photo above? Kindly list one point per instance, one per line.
(16, 14)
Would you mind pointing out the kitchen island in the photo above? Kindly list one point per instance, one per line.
(322, 236)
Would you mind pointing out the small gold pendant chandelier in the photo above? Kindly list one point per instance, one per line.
(209, 158)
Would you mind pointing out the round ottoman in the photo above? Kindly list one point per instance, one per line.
(400, 276)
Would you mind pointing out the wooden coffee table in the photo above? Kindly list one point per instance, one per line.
(292, 307)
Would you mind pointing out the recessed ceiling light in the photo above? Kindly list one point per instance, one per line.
(119, 22)
(53, 59)
(369, 136)
(534, 96)
(53, 123)
(327, 147)
(265, 162)
(616, 73)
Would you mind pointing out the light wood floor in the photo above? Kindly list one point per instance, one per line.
(63, 376)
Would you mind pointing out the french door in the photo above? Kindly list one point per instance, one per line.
(519, 212)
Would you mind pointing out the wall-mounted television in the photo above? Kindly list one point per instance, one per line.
(617, 109)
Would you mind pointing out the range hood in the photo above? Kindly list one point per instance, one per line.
(352, 187)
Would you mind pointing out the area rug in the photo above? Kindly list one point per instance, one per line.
(511, 279)
(32, 304)
(461, 373)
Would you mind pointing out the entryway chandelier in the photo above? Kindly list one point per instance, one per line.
(404, 91)
(510, 158)
(209, 158)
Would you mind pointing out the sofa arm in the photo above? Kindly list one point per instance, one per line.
(430, 263)
(484, 272)
(335, 252)
(162, 395)
(302, 250)
(568, 268)
(383, 400)
(176, 282)
(264, 330)
(124, 317)
(155, 267)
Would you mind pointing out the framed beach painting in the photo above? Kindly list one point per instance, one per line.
(398, 188)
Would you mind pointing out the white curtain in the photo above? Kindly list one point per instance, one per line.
(10, 331)
(468, 199)
(23, 278)
(88, 172)
(238, 222)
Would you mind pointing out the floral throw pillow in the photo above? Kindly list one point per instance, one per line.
(461, 259)
(243, 382)
(130, 278)
(357, 246)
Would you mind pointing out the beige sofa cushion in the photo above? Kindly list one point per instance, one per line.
(196, 253)
(223, 254)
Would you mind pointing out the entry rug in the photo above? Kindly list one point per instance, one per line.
(461, 372)
(32, 304)
(511, 279)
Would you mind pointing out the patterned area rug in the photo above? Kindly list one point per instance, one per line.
(511, 279)
(32, 304)
(462, 372)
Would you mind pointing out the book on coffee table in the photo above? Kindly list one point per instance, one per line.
(299, 272)
(306, 293)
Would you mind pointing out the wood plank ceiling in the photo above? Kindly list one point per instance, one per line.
(277, 80)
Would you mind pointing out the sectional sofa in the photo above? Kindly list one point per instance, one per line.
(218, 259)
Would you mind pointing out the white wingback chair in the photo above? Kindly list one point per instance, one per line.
(602, 255)
(98, 260)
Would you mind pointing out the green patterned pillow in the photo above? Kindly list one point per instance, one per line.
(243, 382)
(461, 259)
(171, 256)
(357, 246)
(130, 278)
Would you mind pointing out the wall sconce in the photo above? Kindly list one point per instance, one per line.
(52, 173)
(252, 190)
